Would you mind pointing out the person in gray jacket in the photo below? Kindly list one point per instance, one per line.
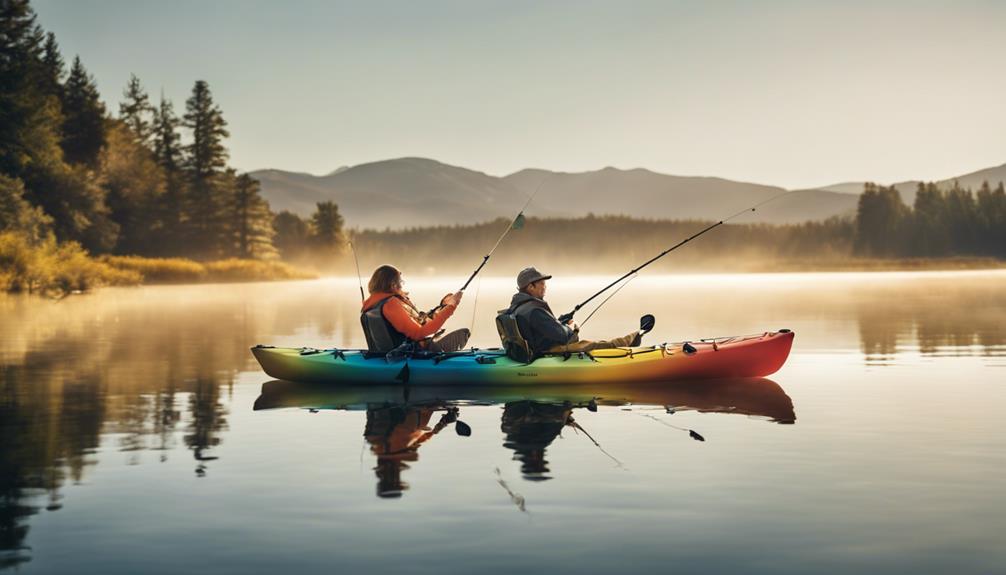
(539, 326)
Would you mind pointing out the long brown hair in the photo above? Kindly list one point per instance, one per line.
(386, 279)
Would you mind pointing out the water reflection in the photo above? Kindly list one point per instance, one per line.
(395, 433)
(141, 376)
(399, 417)
(945, 319)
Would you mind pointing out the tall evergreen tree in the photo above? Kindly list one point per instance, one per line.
(326, 227)
(83, 117)
(292, 235)
(168, 155)
(136, 110)
(204, 159)
(29, 122)
(881, 222)
(930, 233)
(30, 129)
(206, 155)
(251, 220)
(167, 141)
(53, 67)
(962, 219)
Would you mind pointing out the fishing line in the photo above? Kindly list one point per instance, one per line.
(634, 272)
(475, 305)
(691, 432)
(359, 277)
(584, 322)
(576, 427)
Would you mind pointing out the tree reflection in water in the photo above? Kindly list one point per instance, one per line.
(146, 370)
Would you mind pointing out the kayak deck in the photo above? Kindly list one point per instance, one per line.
(743, 356)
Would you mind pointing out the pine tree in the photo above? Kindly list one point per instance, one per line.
(251, 220)
(204, 159)
(83, 117)
(135, 110)
(53, 67)
(326, 227)
(930, 233)
(985, 205)
(167, 142)
(881, 222)
(292, 235)
(962, 219)
(206, 155)
(168, 155)
(29, 130)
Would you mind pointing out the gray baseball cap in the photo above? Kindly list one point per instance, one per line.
(529, 276)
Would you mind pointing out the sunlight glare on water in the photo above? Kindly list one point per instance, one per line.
(138, 433)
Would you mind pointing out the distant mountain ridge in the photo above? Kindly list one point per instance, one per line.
(411, 192)
(971, 180)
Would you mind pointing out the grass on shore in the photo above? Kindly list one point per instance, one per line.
(180, 270)
(55, 269)
(49, 268)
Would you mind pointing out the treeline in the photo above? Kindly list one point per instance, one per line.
(145, 181)
(602, 243)
(954, 223)
(940, 223)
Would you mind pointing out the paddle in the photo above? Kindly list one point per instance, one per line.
(460, 427)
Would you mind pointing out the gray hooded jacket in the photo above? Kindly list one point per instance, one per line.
(538, 324)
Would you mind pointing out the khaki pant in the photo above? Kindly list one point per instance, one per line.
(588, 345)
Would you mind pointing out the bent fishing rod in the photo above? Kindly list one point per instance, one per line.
(566, 317)
(515, 224)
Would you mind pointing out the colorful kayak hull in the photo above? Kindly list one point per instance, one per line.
(750, 356)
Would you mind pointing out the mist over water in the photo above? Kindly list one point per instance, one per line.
(137, 433)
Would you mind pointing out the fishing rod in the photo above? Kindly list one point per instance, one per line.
(516, 224)
(566, 317)
(359, 278)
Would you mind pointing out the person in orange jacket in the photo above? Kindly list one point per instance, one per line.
(389, 317)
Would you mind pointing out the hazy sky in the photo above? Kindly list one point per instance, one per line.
(799, 93)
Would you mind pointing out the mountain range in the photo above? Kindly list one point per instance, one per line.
(410, 192)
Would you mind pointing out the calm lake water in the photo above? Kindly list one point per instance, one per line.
(138, 435)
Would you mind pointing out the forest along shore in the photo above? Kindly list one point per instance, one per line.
(91, 198)
(80, 187)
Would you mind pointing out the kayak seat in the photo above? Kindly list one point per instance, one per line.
(514, 344)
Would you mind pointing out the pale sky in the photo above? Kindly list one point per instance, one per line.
(791, 93)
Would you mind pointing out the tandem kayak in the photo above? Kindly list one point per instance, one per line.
(735, 357)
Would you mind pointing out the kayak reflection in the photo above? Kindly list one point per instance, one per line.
(399, 418)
